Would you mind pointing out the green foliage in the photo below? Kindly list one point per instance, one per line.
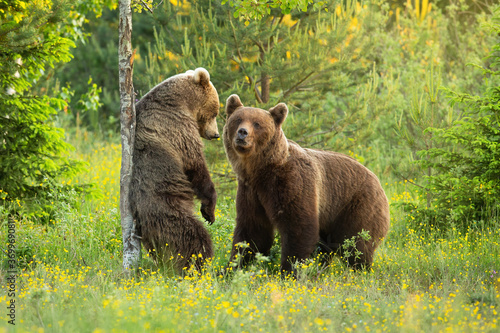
(465, 184)
(251, 9)
(139, 5)
(90, 104)
(415, 54)
(426, 109)
(279, 58)
(95, 57)
(349, 246)
(34, 153)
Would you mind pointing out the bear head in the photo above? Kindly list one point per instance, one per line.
(191, 94)
(205, 112)
(252, 131)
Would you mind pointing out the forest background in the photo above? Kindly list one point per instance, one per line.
(408, 88)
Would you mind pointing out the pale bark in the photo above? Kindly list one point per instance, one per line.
(131, 242)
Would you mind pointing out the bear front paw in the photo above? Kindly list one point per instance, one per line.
(207, 213)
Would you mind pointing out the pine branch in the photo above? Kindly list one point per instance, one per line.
(411, 182)
(296, 86)
(158, 5)
(145, 5)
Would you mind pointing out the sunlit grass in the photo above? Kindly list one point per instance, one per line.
(71, 279)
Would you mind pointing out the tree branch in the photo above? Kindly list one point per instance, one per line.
(297, 86)
(158, 5)
(145, 5)
(411, 182)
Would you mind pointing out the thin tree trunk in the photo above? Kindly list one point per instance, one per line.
(131, 243)
(264, 87)
(264, 81)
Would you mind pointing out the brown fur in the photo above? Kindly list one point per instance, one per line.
(170, 169)
(310, 196)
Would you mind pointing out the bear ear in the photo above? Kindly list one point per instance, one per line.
(232, 103)
(200, 75)
(279, 113)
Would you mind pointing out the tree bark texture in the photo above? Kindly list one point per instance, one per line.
(131, 242)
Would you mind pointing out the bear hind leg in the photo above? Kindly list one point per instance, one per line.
(355, 247)
(193, 245)
(358, 245)
(181, 240)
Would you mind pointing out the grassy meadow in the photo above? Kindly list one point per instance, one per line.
(70, 277)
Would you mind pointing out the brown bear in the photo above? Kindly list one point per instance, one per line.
(169, 168)
(311, 197)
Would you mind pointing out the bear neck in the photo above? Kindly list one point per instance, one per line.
(274, 155)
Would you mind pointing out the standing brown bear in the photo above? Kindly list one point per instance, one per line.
(169, 167)
(311, 197)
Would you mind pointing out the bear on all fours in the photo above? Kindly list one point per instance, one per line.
(169, 168)
(311, 197)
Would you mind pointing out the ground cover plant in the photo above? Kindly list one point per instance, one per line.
(438, 268)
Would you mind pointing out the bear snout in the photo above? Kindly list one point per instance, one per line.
(242, 134)
(211, 136)
(209, 130)
(242, 142)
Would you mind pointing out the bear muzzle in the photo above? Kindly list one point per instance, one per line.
(242, 134)
(242, 141)
(211, 136)
(209, 129)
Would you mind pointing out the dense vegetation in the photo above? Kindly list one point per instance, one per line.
(411, 89)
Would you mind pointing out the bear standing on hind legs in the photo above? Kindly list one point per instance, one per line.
(309, 196)
(169, 168)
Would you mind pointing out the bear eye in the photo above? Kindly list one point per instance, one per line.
(256, 125)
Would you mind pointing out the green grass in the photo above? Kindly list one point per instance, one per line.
(70, 277)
